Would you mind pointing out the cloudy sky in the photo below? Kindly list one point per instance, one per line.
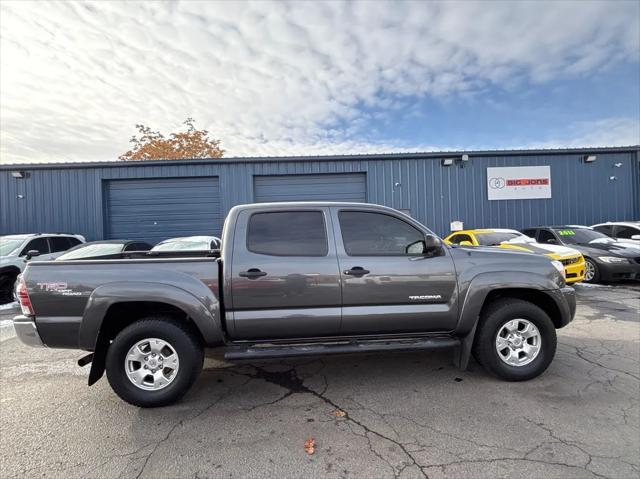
(313, 78)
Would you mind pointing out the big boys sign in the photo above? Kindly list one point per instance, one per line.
(519, 182)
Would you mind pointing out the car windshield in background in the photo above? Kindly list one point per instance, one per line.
(580, 235)
(494, 239)
(7, 245)
(93, 250)
(183, 245)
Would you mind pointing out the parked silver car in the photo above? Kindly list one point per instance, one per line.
(16, 250)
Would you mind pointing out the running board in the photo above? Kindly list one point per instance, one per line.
(292, 350)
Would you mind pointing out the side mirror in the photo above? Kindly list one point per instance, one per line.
(465, 243)
(32, 253)
(432, 245)
(635, 237)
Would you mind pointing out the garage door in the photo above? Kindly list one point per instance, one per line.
(330, 187)
(157, 209)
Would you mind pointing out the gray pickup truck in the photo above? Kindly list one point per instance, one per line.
(296, 279)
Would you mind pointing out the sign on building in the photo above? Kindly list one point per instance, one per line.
(519, 182)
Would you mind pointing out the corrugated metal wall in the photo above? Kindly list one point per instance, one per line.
(65, 198)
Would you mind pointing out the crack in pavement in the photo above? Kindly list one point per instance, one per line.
(581, 353)
(184, 420)
(290, 381)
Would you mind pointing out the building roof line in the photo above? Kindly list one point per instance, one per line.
(352, 157)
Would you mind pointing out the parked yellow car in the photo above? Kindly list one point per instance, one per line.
(572, 260)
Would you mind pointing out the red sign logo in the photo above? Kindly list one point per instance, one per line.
(528, 182)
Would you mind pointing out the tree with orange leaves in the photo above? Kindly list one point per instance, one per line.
(190, 144)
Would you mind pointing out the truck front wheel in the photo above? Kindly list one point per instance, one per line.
(154, 361)
(516, 340)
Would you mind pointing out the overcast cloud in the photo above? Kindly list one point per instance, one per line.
(297, 78)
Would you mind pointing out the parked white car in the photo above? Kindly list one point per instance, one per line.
(14, 254)
(623, 231)
(188, 243)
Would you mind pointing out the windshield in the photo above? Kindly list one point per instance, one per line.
(183, 245)
(92, 250)
(7, 245)
(580, 235)
(494, 239)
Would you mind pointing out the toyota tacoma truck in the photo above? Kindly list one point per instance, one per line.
(296, 279)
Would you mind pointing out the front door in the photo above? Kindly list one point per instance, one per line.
(284, 281)
(388, 286)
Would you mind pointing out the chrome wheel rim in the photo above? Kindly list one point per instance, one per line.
(589, 271)
(518, 342)
(151, 364)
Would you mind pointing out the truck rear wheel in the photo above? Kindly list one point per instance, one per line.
(516, 340)
(154, 362)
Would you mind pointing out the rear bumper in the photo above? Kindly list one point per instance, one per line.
(27, 331)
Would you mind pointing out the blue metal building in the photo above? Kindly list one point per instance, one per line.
(157, 199)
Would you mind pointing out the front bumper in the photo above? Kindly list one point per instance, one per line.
(618, 271)
(27, 331)
(575, 271)
(565, 299)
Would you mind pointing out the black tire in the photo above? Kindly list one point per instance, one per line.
(493, 318)
(7, 284)
(186, 344)
(596, 271)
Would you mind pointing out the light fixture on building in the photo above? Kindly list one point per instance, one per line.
(465, 158)
(18, 174)
(447, 161)
(613, 178)
(617, 165)
(589, 158)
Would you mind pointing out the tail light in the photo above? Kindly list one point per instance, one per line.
(23, 298)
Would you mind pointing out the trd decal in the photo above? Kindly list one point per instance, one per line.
(60, 288)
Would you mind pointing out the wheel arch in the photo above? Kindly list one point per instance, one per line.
(483, 290)
(114, 306)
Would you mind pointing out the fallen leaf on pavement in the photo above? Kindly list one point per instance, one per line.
(339, 413)
(310, 446)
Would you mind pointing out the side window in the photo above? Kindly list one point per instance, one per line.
(605, 229)
(137, 247)
(457, 239)
(545, 235)
(376, 234)
(531, 233)
(39, 244)
(626, 232)
(288, 233)
(73, 241)
(59, 243)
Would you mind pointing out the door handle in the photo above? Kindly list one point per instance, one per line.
(356, 271)
(252, 273)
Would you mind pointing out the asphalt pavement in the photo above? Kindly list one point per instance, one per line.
(374, 416)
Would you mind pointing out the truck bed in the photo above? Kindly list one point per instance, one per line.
(65, 289)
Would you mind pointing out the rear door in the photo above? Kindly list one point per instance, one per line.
(58, 244)
(285, 281)
(386, 289)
